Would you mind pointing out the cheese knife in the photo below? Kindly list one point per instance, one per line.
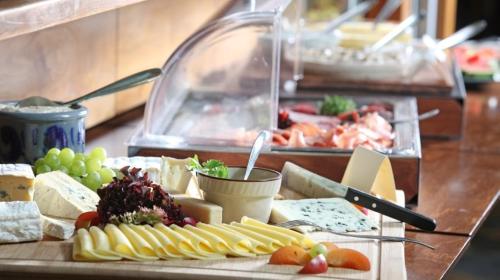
(313, 185)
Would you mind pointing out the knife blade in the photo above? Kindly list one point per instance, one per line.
(313, 185)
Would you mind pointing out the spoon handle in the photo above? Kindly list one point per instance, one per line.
(254, 154)
(421, 117)
(122, 84)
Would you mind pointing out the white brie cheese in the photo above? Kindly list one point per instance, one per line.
(58, 228)
(59, 195)
(19, 221)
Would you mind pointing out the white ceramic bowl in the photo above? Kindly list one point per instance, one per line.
(252, 198)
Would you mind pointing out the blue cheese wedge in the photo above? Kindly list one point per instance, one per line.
(16, 182)
(335, 214)
(19, 222)
(59, 195)
(58, 228)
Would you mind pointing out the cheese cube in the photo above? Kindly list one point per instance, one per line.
(201, 210)
(59, 195)
(19, 221)
(16, 182)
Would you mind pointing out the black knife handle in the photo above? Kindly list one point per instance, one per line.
(390, 209)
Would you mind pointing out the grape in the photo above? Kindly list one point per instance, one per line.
(52, 160)
(79, 157)
(78, 179)
(39, 162)
(99, 153)
(93, 164)
(107, 175)
(54, 151)
(64, 169)
(66, 157)
(318, 249)
(42, 169)
(77, 168)
(93, 180)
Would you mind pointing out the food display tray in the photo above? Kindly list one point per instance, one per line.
(448, 98)
(405, 154)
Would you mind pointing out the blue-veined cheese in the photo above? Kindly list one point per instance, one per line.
(335, 214)
(16, 182)
(59, 195)
(19, 221)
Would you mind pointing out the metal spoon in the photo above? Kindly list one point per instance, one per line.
(400, 28)
(421, 117)
(122, 84)
(256, 148)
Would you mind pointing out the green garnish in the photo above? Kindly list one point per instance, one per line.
(211, 167)
(334, 105)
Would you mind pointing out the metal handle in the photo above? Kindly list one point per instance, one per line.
(389, 7)
(122, 84)
(421, 117)
(461, 35)
(382, 238)
(254, 154)
(409, 21)
(349, 14)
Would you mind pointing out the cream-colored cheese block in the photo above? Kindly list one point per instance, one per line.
(201, 210)
(370, 171)
(58, 228)
(239, 246)
(174, 174)
(20, 221)
(59, 195)
(16, 182)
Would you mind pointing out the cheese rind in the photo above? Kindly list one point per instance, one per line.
(16, 182)
(19, 221)
(59, 195)
(58, 228)
(335, 214)
(201, 210)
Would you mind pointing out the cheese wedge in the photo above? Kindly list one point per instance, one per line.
(20, 221)
(58, 228)
(16, 182)
(59, 195)
(239, 246)
(174, 174)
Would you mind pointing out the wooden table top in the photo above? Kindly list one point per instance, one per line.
(460, 181)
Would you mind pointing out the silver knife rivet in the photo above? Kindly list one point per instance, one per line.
(374, 205)
(356, 198)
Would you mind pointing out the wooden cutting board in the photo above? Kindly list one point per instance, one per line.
(53, 259)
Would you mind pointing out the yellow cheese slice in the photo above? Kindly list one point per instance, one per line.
(101, 243)
(140, 245)
(201, 245)
(77, 251)
(122, 246)
(85, 248)
(370, 171)
(276, 232)
(239, 246)
(168, 246)
(257, 247)
(215, 241)
(150, 238)
(270, 243)
(182, 244)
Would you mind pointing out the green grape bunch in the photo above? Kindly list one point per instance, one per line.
(86, 169)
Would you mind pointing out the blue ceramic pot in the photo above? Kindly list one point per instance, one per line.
(25, 137)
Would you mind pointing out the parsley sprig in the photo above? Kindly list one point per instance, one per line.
(211, 167)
